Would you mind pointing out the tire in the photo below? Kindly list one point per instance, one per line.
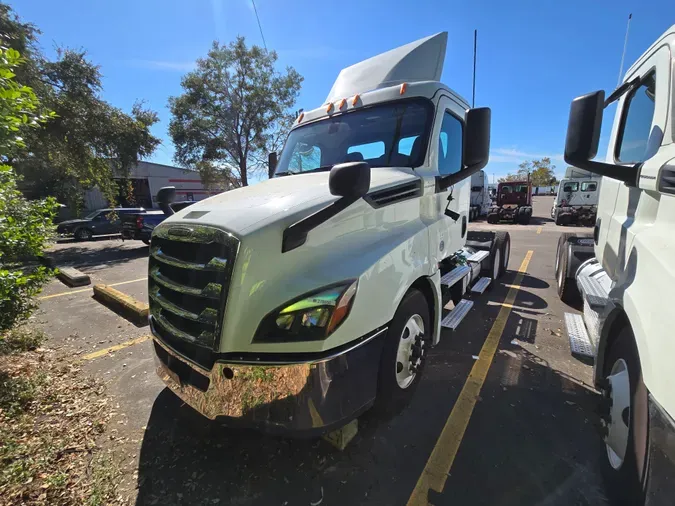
(492, 218)
(146, 242)
(525, 219)
(626, 477)
(563, 220)
(393, 392)
(83, 234)
(505, 251)
(567, 287)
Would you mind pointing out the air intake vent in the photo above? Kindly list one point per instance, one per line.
(667, 179)
(395, 194)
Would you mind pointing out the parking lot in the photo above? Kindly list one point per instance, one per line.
(515, 429)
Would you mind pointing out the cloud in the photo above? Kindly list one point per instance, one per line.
(174, 66)
(514, 155)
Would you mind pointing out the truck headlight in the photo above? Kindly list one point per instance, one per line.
(310, 318)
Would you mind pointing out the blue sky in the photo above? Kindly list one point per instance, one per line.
(534, 57)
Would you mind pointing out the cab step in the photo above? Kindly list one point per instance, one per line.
(478, 256)
(455, 317)
(450, 278)
(593, 291)
(580, 342)
(481, 285)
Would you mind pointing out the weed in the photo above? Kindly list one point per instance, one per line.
(20, 339)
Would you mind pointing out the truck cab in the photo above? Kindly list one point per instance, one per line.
(514, 203)
(627, 284)
(577, 198)
(298, 303)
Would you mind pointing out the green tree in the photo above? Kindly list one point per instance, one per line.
(25, 226)
(234, 109)
(89, 142)
(541, 173)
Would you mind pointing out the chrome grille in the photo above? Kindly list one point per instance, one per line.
(188, 280)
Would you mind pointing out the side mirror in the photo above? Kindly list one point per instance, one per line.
(350, 180)
(583, 138)
(271, 163)
(165, 196)
(476, 139)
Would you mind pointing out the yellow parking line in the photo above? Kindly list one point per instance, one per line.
(87, 289)
(117, 347)
(539, 230)
(443, 455)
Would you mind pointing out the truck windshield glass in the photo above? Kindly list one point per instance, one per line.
(637, 126)
(506, 189)
(570, 187)
(387, 135)
(588, 187)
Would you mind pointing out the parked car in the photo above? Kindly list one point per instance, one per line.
(99, 222)
(139, 226)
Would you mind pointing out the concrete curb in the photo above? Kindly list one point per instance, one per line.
(122, 303)
(72, 277)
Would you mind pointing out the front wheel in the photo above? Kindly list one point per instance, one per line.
(404, 353)
(146, 242)
(626, 420)
(83, 234)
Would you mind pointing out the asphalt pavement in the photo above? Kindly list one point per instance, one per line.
(526, 435)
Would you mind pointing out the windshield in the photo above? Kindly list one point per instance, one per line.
(387, 135)
(91, 215)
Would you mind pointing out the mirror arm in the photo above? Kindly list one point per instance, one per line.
(445, 182)
(296, 234)
(625, 173)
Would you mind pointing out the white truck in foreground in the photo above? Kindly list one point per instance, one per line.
(625, 274)
(480, 200)
(577, 198)
(294, 305)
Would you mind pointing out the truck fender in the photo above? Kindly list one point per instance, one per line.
(616, 319)
(430, 286)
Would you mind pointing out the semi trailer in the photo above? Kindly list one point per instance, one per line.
(295, 304)
(623, 274)
(480, 197)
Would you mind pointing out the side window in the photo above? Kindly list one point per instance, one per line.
(450, 145)
(589, 186)
(368, 151)
(637, 123)
(570, 187)
(305, 157)
(405, 145)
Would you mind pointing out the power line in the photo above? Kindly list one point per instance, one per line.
(259, 25)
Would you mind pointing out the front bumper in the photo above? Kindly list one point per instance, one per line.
(307, 396)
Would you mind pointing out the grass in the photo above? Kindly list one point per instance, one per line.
(21, 339)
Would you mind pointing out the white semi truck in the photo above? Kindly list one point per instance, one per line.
(577, 198)
(625, 274)
(480, 197)
(298, 303)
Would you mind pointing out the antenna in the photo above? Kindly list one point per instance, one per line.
(625, 43)
(473, 93)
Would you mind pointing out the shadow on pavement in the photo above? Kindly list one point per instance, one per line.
(78, 255)
(532, 282)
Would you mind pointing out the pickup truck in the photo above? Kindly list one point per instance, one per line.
(139, 226)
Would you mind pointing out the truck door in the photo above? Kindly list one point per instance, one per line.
(637, 134)
(446, 235)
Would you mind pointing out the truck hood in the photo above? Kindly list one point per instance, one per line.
(246, 209)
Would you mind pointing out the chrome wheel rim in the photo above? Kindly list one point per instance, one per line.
(619, 415)
(410, 351)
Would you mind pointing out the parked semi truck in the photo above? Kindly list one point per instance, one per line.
(513, 203)
(577, 198)
(625, 276)
(480, 197)
(295, 304)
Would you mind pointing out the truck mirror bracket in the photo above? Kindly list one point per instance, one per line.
(296, 234)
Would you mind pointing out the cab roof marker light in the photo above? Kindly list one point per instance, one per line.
(329, 107)
(404, 86)
(355, 100)
(302, 115)
(343, 102)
